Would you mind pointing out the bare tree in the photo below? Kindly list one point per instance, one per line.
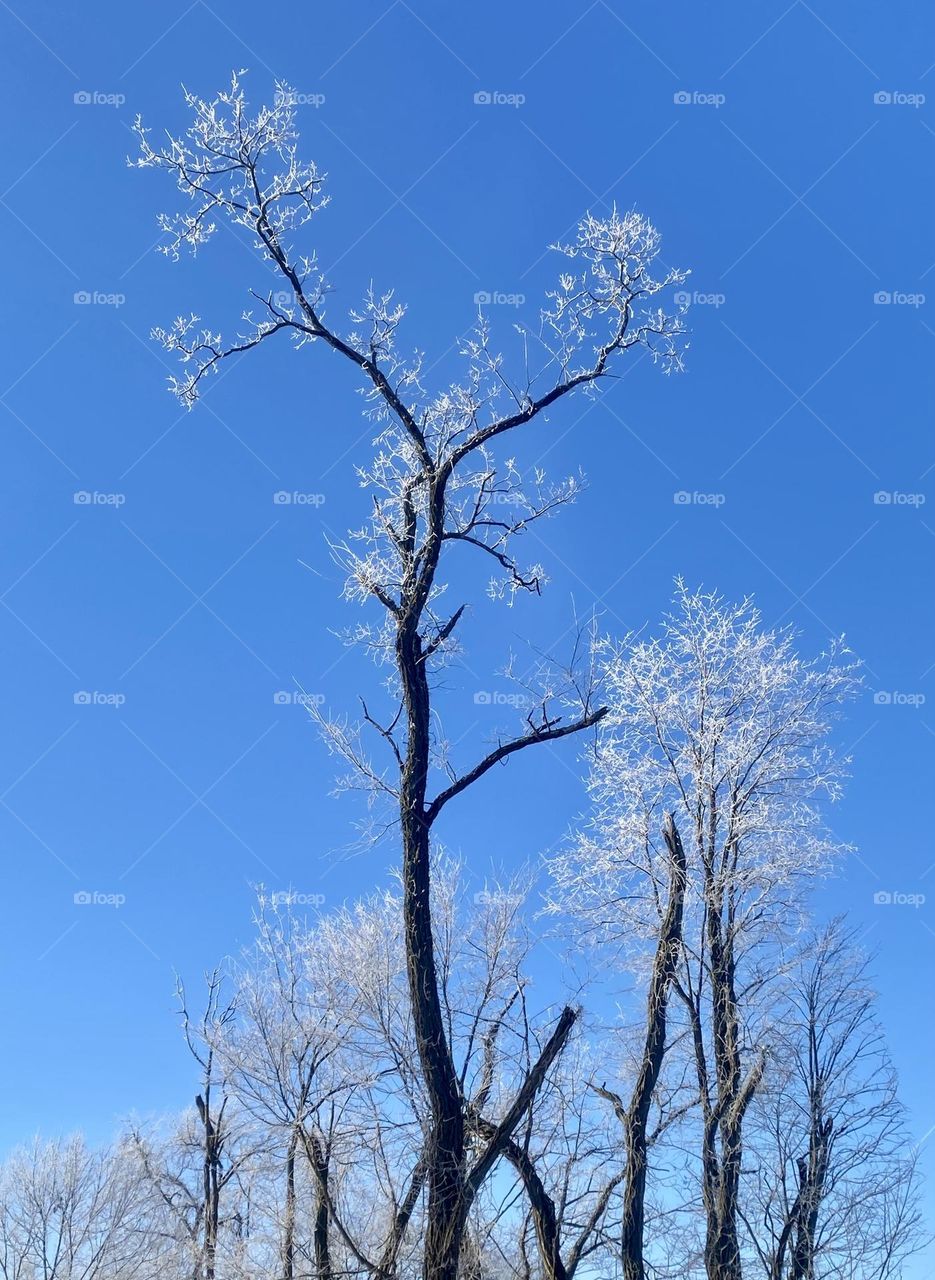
(211, 1104)
(199, 1174)
(282, 1058)
(435, 487)
(722, 725)
(70, 1213)
(832, 1187)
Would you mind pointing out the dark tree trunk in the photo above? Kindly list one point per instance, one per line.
(722, 1243)
(813, 1170)
(211, 1184)
(318, 1158)
(637, 1113)
(724, 1090)
(446, 1149)
(288, 1243)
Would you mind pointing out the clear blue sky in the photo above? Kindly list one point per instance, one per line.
(790, 190)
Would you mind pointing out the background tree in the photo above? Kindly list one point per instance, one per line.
(721, 724)
(282, 1055)
(70, 1213)
(831, 1186)
(200, 1175)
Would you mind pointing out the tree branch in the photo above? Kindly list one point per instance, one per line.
(548, 732)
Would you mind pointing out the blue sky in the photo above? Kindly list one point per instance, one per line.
(785, 155)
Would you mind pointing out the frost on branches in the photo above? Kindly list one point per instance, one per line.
(433, 479)
(716, 744)
(244, 167)
(435, 483)
(722, 723)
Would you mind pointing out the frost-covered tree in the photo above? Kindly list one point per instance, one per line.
(830, 1183)
(718, 731)
(284, 1056)
(199, 1170)
(68, 1212)
(437, 487)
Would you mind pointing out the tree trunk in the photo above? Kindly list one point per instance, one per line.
(722, 1245)
(812, 1173)
(211, 1187)
(446, 1145)
(637, 1114)
(722, 1146)
(318, 1157)
(288, 1244)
